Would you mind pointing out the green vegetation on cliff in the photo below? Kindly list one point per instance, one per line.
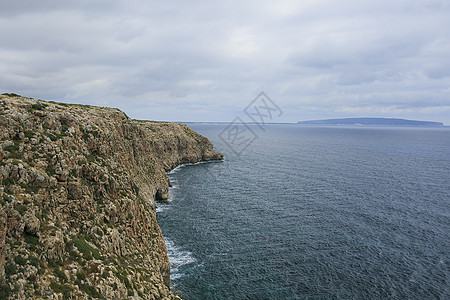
(78, 186)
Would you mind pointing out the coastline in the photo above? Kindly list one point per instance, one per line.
(79, 186)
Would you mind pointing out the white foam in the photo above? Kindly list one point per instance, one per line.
(162, 207)
(177, 258)
(174, 170)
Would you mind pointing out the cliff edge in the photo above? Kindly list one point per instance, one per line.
(78, 186)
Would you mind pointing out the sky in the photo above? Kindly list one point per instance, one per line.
(208, 60)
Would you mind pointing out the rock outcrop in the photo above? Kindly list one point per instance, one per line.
(77, 198)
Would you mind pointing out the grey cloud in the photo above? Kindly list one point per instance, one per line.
(14, 8)
(168, 60)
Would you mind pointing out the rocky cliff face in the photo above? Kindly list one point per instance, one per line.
(77, 198)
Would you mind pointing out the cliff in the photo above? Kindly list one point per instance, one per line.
(77, 198)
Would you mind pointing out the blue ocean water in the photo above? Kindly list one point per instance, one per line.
(314, 213)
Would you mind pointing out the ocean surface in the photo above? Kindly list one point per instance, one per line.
(313, 213)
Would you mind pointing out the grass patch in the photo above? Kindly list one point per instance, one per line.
(29, 134)
(5, 292)
(59, 103)
(81, 275)
(12, 148)
(9, 181)
(21, 209)
(73, 173)
(11, 95)
(32, 241)
(60, 274)
(90, 290)
(85, 136)
(90, 158)
(61, 288)
(20, 260)
(52, 137)
(87, 250)
(39, 106)
(29, 188)
(50, 171)
(147, 121)
(10, 269)
(13, 151)
(34, 261)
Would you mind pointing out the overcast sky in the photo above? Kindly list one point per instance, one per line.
(206, 60)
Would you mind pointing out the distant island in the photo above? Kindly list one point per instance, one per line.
(372, 121)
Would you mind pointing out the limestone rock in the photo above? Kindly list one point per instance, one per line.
(15, 223)
(32, 224)
(3, 229)
(79, 185)
(53, 246)
(74, 191)
(114, 242)
(162, 193)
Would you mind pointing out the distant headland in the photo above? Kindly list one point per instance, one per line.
(373, 122)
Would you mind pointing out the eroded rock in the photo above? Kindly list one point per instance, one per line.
(78, 191)
(32, 224)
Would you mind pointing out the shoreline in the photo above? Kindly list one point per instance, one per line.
(79, 186)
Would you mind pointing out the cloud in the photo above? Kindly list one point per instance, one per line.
(205, 60)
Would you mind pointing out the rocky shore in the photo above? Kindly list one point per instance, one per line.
(78, 186)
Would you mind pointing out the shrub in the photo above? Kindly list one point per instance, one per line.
(127, 282)
(38, 106)
(21, 209)
(12, 148)
(52, 137)
(90, 290)
(90, 158)
(60, 103)
(11, 95)
(74, 173)
(32, 241)
(29, 134)
(50, 171)
(20, 260)
(13, 151)
(61, 288)
(10, 269)
(60, 274)
(5, 292)
(68, 246)
(9, 181)
(34, 261)
(81, 275)
(29, 188)
(73, 255)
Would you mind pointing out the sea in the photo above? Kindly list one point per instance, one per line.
(310, 212)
